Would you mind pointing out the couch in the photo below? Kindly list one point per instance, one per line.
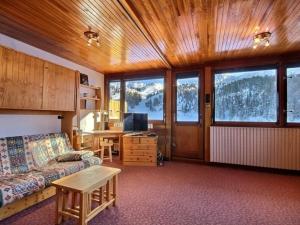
(28, 164)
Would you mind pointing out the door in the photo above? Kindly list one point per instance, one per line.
(187, 128)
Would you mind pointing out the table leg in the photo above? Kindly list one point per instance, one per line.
(59, 205)
(115, 185)
(107, 191)
(74, 196)
(89, 203)
(120, 147)
(100, 195)
(82, 208)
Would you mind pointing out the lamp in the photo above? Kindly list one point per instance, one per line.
(261, 39)
(91, 36)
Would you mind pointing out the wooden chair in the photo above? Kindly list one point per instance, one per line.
(100, 145)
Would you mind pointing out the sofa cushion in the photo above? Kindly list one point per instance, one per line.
(67, 168)
(74, 156)
(14, 187)
(60, 144)
(40, 152)
(15, 155)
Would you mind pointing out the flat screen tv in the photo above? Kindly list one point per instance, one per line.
(135, 122)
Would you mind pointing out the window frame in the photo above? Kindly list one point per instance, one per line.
(108, 99)
(241, 123)
(144, 75)
(286, 123)
(182, 75)
(149, 77)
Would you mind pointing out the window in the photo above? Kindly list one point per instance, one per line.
(293, 95)
(114, 99)
(145, 96)
(248, 96)
(187, 99)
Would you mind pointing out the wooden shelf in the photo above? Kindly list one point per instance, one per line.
(90, 98)
(90, 87)
(85, 147)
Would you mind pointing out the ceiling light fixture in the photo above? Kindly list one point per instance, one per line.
(92, 36)
(261, 39)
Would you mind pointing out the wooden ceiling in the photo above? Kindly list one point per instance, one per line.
(152, 34)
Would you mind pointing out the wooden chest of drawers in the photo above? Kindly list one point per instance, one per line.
(140, 150)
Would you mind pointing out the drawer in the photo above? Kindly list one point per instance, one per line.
(140, 147)
(87, 138)
(147, 140)
(131, 140)
(139, 153)
(139, 158)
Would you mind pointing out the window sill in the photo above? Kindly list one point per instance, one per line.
(245, 124)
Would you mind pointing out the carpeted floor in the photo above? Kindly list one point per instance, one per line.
(190, 194)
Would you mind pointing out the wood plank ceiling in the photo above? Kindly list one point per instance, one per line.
(148, 34)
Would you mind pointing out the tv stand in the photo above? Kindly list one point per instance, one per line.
(140, 149)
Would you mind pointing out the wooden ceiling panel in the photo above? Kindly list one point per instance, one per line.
(57, 26)
(198, 31)
(148, 34)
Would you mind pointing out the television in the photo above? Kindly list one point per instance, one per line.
(135, 122)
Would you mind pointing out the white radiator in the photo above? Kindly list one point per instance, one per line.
(263, 147)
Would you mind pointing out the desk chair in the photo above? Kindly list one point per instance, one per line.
(100, 145)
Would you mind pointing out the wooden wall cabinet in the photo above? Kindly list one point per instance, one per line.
(21, 80)
(59, 88)
(29, 83)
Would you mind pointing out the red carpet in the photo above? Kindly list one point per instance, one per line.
(190, 194)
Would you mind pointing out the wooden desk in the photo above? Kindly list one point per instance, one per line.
(92, 185)
(109, 134)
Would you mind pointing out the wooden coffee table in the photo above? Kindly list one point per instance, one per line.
(84, 194)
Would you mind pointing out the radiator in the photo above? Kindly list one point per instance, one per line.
(263, 147)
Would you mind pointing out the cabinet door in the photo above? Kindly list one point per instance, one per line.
(21, 80)
(59, 88)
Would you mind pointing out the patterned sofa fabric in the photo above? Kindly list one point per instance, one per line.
(14, 187)
(28, 165)
(21, 154)
(15, 155)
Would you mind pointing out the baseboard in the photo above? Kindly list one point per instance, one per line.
(255, 168)
(241, 167)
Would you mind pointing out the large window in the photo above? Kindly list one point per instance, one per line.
(248, 96)
(114, 99)
(293, 95)
(145, 96)
(187, 99)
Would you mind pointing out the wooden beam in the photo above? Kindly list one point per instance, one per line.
(136, 21)
(168, 112)
(207, 111)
